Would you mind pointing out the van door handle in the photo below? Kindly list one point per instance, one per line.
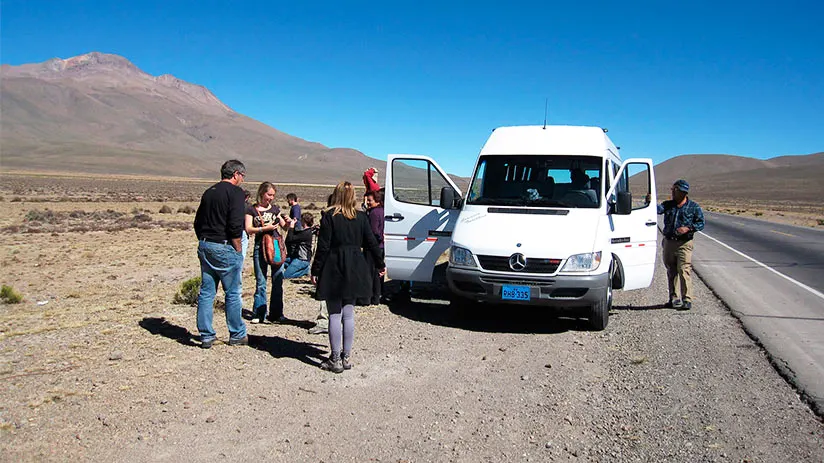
(651, 224)
(396, 217)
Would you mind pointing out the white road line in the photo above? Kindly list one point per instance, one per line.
(800, 284)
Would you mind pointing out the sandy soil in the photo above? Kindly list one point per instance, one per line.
(98, 363)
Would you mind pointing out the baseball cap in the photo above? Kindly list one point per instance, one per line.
(682, 185)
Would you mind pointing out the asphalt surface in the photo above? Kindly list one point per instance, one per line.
(772, 278)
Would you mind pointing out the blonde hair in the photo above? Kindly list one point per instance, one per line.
(263, 188)
(343, 201)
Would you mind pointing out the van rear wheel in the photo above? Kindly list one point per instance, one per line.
(599, 312)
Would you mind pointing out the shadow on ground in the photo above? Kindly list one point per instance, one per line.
(248, 315)
(308, 353)
(429, 303)
(162, 327)
(640, 307)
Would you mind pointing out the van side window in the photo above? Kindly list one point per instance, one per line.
(637, 175)
(416, 181)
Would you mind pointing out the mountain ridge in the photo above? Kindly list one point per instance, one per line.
(730, 177)
(100, 112)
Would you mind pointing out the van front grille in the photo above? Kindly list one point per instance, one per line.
(533, 264)
(518, 281)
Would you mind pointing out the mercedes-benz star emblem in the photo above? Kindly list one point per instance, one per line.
(517, 262)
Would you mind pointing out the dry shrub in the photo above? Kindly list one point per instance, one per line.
(311, 207)
(188, 292)
(186, 210)
(175, 225)
(165, 209)
(45, 216)
(10, 296)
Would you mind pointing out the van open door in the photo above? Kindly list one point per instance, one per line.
(633, 220)
(417, 228)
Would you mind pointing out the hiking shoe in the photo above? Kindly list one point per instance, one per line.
(278, 321)
(346, 361)
(676, 304)
(244, 341)
(687, 305)
(333, 364)
(317, 329)
(207, 344)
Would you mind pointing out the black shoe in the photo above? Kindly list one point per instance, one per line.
(687, 305)
(346, 361)
(677, 304)
(277, 321)
(207, 344)
(244, 341)
(333, 364)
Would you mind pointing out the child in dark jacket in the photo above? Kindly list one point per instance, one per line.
(299, 246)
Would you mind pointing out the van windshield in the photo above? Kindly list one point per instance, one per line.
(549, 181)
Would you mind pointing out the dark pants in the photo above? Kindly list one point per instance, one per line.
(377, 279)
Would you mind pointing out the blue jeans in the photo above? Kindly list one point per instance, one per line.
(276, 298)
(244, 243)
(219, 263)
(294, 268)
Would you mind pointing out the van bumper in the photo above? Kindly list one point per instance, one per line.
(554, 291)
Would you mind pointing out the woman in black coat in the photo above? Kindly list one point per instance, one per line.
(341, 272)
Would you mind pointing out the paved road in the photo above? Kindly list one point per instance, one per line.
(772, 277)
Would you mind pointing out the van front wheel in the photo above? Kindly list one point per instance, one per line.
(599, 312)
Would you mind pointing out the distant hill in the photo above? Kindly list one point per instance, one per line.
(99, 113)
(719, 177)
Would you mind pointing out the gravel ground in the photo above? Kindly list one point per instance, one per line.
(109, 371)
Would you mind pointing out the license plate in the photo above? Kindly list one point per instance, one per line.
(515, 293)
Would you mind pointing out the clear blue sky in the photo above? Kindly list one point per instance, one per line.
(666, 78)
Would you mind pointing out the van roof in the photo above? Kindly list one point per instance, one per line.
(552, 139)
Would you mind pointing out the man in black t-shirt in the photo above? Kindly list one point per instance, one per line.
(219, 224)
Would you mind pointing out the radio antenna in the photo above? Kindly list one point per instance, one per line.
(546, 107)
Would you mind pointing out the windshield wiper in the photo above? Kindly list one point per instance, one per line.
(497, 202)
(548, 202)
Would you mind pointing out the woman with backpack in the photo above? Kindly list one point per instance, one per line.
(341, 272)
(263, 218)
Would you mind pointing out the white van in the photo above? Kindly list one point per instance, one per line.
(552, 217)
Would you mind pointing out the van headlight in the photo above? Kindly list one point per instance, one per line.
(461, 257)
(586, 262)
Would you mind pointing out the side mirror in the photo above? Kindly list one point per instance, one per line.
(623, 205)
(448, 198)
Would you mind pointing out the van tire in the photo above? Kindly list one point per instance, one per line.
(599, 312)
